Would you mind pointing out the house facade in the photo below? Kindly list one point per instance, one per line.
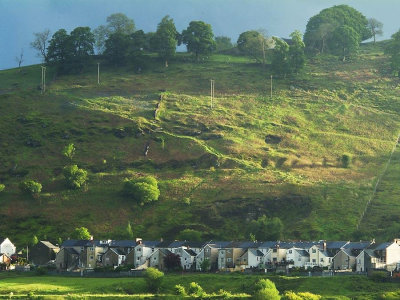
(6, 247)
(43, 252)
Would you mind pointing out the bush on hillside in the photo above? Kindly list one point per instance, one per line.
(2, 187)
(143, 190)
(345, 160)
(74, 176)
(195, 290)
(180, 290)
(31, 187)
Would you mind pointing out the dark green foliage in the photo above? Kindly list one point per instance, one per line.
(172, 262)
(75, 177)
(165, 40)
(297, 58)
(180, 290)
(81, 233)
(345, 41)
(393, 50)
(31, 187)
(117, 48)
(265, 289)
(254, 44)
(265, 228)
(205, 265)
(60, 48)
(190, 235)
(143, 189)
(280, 57)
(319, 31)
(223, 43)
(199, 38)
(153, 279)
(345, 160)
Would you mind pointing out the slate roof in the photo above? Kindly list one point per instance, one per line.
(256, 252)
(164, 244)
(305, 245)
(195, 244)
(371, 253)
(74, 243)
(164, 251)
(176, 244)
(335, 244)
(383, 246)
(191, 252)
(356, 245)
(49, 245)
(117, 251)
(268, 244)
(218, 244)
(71, 251)
(302, 252)
(122, 243)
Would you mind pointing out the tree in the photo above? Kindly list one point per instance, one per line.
(320, 28)
(280, 57)
(69, 151)
(297, 57)
(376, 27)
(143, 189)
(345, 41)
(165, 39)
(117, 48)
(40, 43)
(74, 177)
(82, 40)
(19, 59)
(223, 43)
(129, 231)
(116, 23)
(190, 235)
(172, 262)
(60, 50)
(255, 44)
(393, 50)
(81, 233)
(265, 228)
(205, 265)
(265, 289)
(31, 187)
(153, 279)
(35, 240)
(199, 38)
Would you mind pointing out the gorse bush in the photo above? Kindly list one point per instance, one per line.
(74, 176)
(2, 187)
(31, 187)
(153, 279)
(180, 290)
(69, 151)
(265, 289)
(143, 189)
(195, 290)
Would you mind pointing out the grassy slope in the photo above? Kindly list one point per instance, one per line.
(218, 158)
(339, 287)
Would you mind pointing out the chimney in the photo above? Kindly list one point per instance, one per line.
(91, 237)
(138, 241)
(397, 241)
(324, 244)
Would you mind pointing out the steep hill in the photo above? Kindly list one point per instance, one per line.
(218, 168)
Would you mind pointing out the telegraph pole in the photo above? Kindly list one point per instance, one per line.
(271, 86)
(43, 79)
(98, 73)
(212, 92)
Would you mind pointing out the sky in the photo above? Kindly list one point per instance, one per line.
(19, 19)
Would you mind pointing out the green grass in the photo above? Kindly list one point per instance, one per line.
(339, 287)
(250, 155)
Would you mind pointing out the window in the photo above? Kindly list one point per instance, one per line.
(229, 259)
(299, 259)
(91, 256)
(222, 252)
(322, 260)
(137, 259)
(152, 249)
(314, 260)
(207, 250)
(275, 250)
(314, 250)
(290, 251)
(139, 249)
(274, 259)
(91, 249)
(155, 258)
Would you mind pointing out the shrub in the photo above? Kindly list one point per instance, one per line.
(2, 187)
(205, 265)
(143, 190)
(74, 176)
(190, 235)
(81, 233)
(180, 290)
(346, 160)
(195, 290)
(265, 289)
(31, 187)
(69, 151)
(153, 279)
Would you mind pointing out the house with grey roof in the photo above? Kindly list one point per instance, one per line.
(42, 253)
(141, 252)
(210, 253)
(156, 259)
(382, 256)
(345, 259)
(251, 258)
(297, 257)
(113, 257)
(67, 259)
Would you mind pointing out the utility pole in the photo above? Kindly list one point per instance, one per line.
(212, 92)
(43, 79)
(271, 86)
(98, 73)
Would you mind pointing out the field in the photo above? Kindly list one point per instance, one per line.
(218, 168)
(56, 287)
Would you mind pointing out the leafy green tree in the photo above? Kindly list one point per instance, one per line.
(35, 240)
(31, 187)
(60, 48)
(117, 48)
(190, 235)
(180, 290)
(165, 39)
(375, 27)
(346, 41)
(137, 44)
(393, 50)
(75, 177)
(153, 279)
(265, 289)
(297, 58)
(69, 151)
(129, 231)
(265, 228)
(255, 44)
(199, 38)
(223, 43)
(2, 187)
(280, 62)
(81, 233)
(143, 189)
(205, 265)
(319, 31)
(116, 23)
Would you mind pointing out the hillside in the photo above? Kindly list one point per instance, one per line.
(218, 168)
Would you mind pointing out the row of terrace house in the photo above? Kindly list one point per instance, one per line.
(222, 255)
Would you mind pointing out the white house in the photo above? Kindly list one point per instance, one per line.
(251, 258)
(6, 247)
(142, 251)
(297, 257)
(319, 257)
